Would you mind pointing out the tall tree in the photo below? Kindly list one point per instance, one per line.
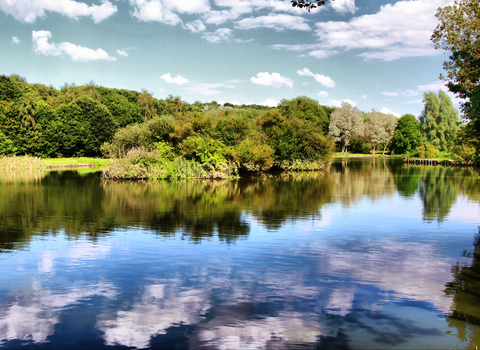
(145, 103)
(458, 31)
(345, 123)
(380, 128)
(407, 135)
(439, 120)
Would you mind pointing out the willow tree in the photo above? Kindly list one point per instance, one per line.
(346, 123)
(439, 122)
(380, 128)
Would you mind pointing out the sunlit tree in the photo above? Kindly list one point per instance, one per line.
(346, 123)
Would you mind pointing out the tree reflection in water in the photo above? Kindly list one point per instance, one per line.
(465, 291)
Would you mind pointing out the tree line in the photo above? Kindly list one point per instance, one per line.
(298, 134)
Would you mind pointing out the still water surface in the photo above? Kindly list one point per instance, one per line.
(372, 254)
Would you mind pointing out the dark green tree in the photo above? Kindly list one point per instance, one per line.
(407, 135)
(99, 122)
(305, 108)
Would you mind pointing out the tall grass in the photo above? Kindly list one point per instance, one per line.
(23, 162)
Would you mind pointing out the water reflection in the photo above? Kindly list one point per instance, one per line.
(111, 264)
(464, 314)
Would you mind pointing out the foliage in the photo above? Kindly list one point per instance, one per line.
(458, 31)
(346, 123)
(253, 155)
(439, 120)
(407, 135)
(308, 4)
(305, 108)
(380, 128)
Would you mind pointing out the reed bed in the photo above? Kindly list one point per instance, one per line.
(22, 162)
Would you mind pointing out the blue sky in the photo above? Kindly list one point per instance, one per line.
(373, 53)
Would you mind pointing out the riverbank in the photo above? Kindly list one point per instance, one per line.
(29, 162)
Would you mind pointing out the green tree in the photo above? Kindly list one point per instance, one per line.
(100, 124)
(146, 105)
(305, 108)
(458, 32)
(407, 135)
(122, 110)
(439, 120)
(345, 123)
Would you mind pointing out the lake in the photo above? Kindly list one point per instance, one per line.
(371, 255)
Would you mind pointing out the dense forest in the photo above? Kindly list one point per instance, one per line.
(149, 137)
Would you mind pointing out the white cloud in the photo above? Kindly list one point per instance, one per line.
(179, 80)
(188, 6)
(220, 17)
(322, 53)
(165, 11)
(364, 97)
(323, 94)
(221, 34)
(274, 79)
(322, 79)
(195, 26)
(398, 30)
(28, 11)
(77, 53)
(207, 89)
(388, 111)
(337, 103)
(16, 41)
(420, 89)
(344, 6)
(279, 22)
(154, 10)
(122, 53)
(270, 103)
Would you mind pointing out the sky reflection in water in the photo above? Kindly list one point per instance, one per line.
(357, 258)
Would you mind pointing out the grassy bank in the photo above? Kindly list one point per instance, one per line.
(29, 162)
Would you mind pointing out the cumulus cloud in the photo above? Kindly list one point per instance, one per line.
(15, 41)
(398, 30)
(274, 79)
(220, 17)
(154, 11)
(221, 34)
(344, 6)
(279, 22)
(388, 111)
(28, 11)
(195, 26)
(165, 11)
(337, 103)
(322, 79)
(270, 103)
(178, 80)
(77, 53)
